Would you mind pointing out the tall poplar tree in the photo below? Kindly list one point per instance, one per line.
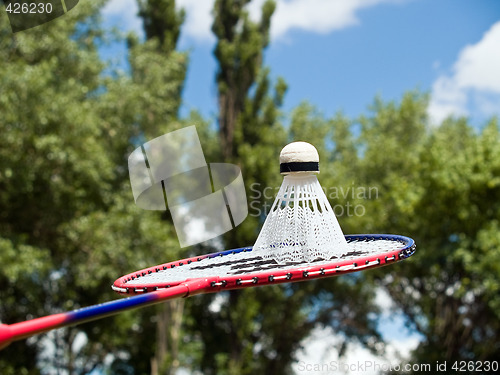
(261, 330)
(239, 50)
(158, 72)
(69, 226)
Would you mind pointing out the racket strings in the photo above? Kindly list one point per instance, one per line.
(241, 263)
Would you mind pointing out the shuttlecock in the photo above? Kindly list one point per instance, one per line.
(301, 225)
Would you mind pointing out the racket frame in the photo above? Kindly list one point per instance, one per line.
(185, 288)
(125, 284)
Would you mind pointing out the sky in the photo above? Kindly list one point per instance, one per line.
(339, 55)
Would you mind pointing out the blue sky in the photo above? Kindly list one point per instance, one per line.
(339, 54)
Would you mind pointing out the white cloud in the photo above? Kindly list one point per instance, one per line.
(123, 14)
(199, 19)
(384, 301)
(320, 356)
(197, 25)
(316, 16)
(447, 98)
(473, 81)
(478, 65)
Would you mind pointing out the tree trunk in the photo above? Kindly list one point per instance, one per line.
(168, 331)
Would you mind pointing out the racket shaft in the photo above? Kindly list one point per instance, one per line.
(22, 330)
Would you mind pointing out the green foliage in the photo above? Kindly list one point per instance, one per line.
(68, 227)
(239, 49)
(53, 168)
(161, 21)
(440, 187)
(157, 82)
(260, 331)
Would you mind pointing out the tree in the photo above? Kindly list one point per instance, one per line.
(68, 226)
(47, 176)
(261, 330)
(457, 297)
(239, 48)
(439, 186)
(248, 126)
(152, 102)
(162, 22)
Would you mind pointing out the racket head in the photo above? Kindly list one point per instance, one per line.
(239, 268)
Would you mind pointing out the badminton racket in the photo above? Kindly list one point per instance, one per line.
(225, 270)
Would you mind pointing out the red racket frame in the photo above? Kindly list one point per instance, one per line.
(126, 284)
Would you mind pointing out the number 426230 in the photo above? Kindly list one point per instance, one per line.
(475, 366)
(29, 8)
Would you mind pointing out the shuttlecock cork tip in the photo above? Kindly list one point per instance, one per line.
(299, 157)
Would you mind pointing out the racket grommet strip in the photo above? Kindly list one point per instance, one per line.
(254, 271)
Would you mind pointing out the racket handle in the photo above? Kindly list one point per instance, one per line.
(22, 330)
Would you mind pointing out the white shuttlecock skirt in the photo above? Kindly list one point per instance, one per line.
(301, 225)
